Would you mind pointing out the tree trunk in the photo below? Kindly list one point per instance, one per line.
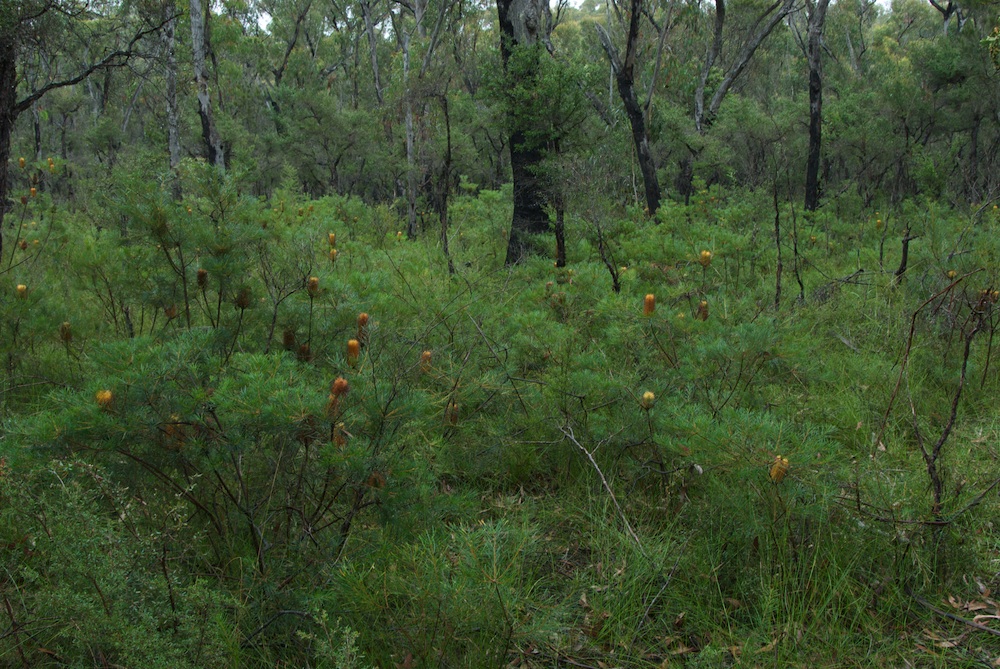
(366, 12)
(8, 92)
(524, 23)
(817, 16)
(209, 133)
(625, 76)
(173, 117)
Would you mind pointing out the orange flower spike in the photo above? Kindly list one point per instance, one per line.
(779, 468)
(22, 291)
(649, 305)
(21, 163)
(104, 399)
(33, 191)
(705, 259)
(425, 362)
(332, 238)
(353, 352)
(339, 387)
(333, 256)
(202, 278)
(312, 286)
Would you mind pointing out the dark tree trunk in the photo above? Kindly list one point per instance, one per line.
(625, 77)
(8, 91)
(817, 16)
(524, 23)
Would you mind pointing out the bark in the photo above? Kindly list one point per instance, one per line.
(366, 12)
(817, 16)
(411, 168)
(524, 23)
(624, 72)
(173, 116)
(199, 40)
(8, 91)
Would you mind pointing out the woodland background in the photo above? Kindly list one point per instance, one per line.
(440, 333)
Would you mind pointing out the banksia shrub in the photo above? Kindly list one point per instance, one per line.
(649, 305)
(705, 259)
(353, 352)
(313, 286)
(779, 468)
(104, 399)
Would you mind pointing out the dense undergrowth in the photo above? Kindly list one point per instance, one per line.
(184, 484)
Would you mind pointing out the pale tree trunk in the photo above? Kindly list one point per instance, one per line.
(366, 12)
(173, 116)
(817, 16)
(624, 72)
(411, 168)
(210, 134)
(524, 23)
(763, 26)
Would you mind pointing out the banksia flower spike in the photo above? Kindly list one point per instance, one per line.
(332, 238)
(66, 332)
(952, 274)
(649, 305)
(170, 312)
(648, 400)
(353, 352)
(779, 468)
(705, 259)
(104, 399)
(313, 286)
(33, 191)
(202, 278)
(362, 328)
(451, 413)
(22, 291)
(288, 339)
(24, 245)
(333, 256)
(337, 390)
(243, 298)
(702, 310)
(305, 353)
(21, 162)
(425, 362)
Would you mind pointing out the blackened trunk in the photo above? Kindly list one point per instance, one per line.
(624, 72)
(524, 23)
(529, 216)
(8, 91)
(817, 16)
